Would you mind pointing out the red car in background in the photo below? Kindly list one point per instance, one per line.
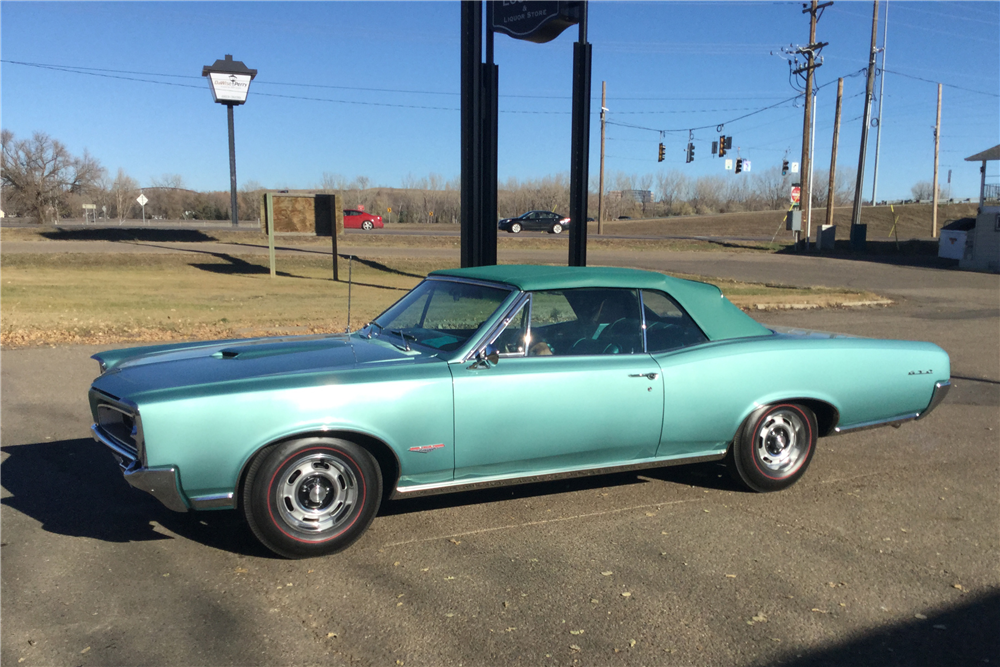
(361, 220)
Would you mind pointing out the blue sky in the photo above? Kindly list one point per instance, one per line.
(372, 88)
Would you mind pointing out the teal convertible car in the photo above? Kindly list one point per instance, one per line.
(487, 376)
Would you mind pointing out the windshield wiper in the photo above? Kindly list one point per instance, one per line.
(403, 337)
(371, 324)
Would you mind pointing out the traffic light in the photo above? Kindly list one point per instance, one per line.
(690, 152)
(784, 167)
(739, 165)
(662, 152)
(722, 145)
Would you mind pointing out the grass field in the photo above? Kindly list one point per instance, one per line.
(95, 298)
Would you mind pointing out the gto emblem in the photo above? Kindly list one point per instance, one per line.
(423, 449)
(927, 372)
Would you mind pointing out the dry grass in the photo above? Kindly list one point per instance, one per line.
(95, 298)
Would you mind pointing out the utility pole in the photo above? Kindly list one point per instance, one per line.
(881, 102)
(600, 192)
(858, 243)
(937, 148)
(830, 194)
(815, 10)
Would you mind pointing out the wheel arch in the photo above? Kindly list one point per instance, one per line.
(384, 456)
(827, 414)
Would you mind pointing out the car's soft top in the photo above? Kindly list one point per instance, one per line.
(715, 314)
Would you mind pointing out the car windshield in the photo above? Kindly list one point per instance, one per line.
(440, 314)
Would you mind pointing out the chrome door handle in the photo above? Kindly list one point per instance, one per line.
(648, 376)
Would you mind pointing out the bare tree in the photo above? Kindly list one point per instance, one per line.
(248, 200)
(924, 190)
(671, 189)
(38, 174)
(123, 192)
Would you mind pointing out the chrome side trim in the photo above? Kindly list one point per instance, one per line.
(215, 501)
(941, 390)
(864, 426)
(454, 486)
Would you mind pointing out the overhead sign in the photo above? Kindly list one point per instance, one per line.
(729, 164)
(795, 168)
(534, 21)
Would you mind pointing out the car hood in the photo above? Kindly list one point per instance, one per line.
(164, 367)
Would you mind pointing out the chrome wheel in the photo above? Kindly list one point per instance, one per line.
(317, 494)
(515, 228)
(557, 228)
(312, 496)
(773, 448)
(367, 225)
(781, 442)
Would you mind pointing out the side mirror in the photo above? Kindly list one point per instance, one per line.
(488, 356)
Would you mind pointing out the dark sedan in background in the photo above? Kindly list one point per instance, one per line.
(535, 221)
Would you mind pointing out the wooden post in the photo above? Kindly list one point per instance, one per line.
(269, 208)
(833, 155)
(600, 192)
(937, 148)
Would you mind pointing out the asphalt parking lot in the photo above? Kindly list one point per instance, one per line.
(886, 553)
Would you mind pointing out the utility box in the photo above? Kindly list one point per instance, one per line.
(793, 221)
(826, 240)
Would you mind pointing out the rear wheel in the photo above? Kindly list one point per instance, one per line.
(311, 497)
(557, 228)
(367, 225)
(774, 446)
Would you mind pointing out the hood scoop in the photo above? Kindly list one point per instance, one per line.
(273, 349)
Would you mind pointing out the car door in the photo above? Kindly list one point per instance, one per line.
(581, 401)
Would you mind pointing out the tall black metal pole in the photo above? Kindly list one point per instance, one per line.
(490, 87)
(578, 175)
(232, 166)
(472, 132)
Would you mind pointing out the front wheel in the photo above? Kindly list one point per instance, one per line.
(515, 228)
(311, 497)
(557, 228)
(774, 446)
(367, 225)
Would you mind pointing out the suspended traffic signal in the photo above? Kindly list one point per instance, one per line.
(662, 152)
(784, 167)
(739, 165)
(722, 145)
(690, 152)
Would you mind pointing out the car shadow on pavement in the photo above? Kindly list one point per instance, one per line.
(75, 488)
(128, 234)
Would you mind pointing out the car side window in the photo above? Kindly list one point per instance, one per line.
(511, 341)
(585, 321)
(668, 327)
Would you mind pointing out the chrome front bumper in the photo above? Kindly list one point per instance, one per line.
(161, 483)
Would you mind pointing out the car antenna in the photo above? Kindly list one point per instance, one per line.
(350, 264)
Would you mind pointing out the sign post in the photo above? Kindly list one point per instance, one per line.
(142, 202)
(230, 82)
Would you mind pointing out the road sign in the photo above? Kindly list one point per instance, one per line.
(142, 200)
(729, 164)
(795, 168)
(796, 194)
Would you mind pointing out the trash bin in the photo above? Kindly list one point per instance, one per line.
(954, 238)
(827, 235)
